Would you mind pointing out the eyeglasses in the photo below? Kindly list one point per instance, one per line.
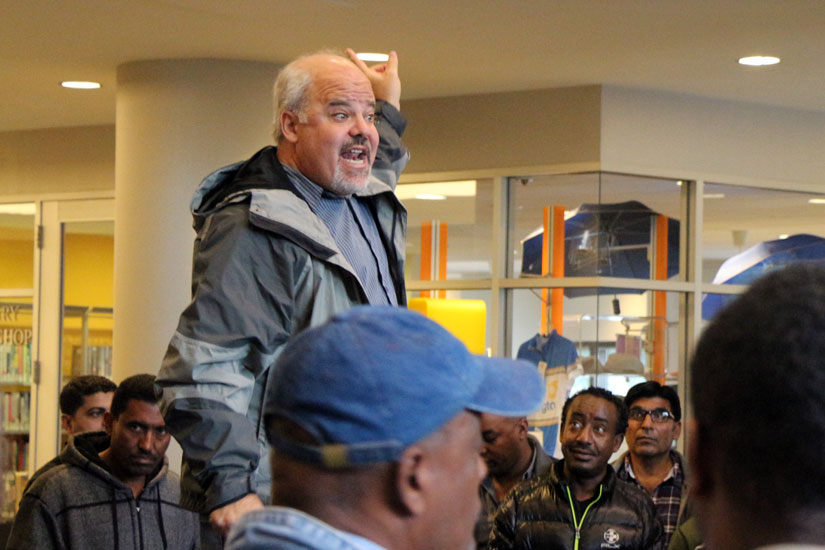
(638, 414)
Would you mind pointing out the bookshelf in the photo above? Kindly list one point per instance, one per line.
(16, 371)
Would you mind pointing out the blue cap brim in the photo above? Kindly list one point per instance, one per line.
(508, 387)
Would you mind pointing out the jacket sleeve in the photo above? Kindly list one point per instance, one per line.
(34, 527)
(213, 375)
(392, 156)
(654, 533)
(503, 534)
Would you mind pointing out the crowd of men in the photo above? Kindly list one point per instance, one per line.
(315, 413)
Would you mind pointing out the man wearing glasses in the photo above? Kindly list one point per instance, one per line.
(654, 423)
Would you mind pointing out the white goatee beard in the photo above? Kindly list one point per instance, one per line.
(345, 186)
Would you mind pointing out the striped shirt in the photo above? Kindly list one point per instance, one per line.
(355, 232)
(667, 497)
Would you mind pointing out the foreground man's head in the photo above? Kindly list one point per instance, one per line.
(374, 426)
(758, 390)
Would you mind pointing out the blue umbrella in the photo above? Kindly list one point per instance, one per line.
(746, 267)
(606, 240)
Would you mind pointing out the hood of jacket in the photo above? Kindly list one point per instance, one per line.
(83, 451)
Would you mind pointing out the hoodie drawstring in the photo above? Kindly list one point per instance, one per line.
(114, 518)
(160, 518)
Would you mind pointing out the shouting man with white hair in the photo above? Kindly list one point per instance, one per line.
(285, 239)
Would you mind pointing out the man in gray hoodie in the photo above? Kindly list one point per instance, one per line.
(113, 489)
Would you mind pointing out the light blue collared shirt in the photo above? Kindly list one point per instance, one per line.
(354, 230)
(288, 529)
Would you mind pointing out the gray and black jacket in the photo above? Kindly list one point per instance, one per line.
(80, 505)
(540, 514)
(265, 267)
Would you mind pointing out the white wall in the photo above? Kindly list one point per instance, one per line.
(669, 133)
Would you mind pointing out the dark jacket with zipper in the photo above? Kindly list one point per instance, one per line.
(540, 514)
(80, 505)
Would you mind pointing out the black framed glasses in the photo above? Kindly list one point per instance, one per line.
(638, 414)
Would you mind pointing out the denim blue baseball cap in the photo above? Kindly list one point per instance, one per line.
(376, 379)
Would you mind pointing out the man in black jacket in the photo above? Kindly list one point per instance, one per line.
(512, 456)
(580, 503)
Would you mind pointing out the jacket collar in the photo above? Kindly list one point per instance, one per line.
(262, 171)
(83, 451)
(558, 479)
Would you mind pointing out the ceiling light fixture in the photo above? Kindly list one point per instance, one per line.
(783, 236)
(816, 201)
(713, 196)
(465, 188)
(758, 60)
(430, 197)
(377, 57)
(80, 84)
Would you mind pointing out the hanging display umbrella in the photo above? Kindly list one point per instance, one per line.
(606, 240)
(746, 267)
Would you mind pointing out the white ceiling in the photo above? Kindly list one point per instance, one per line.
(446, 47)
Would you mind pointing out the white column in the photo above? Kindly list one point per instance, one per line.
(177, 120)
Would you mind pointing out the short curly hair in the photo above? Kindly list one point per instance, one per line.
(139, 386)
(652, 388)
(621, 409)
(75, 391)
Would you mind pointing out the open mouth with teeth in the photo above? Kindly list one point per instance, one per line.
(356, 155)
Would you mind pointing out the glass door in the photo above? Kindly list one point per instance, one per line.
(75, 304)
(17, 243)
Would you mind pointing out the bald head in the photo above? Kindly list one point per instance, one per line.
(292, 87)
(506, 450)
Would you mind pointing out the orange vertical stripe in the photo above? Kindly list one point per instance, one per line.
(442, 257)
(426, 255)
(545, 267)
(557, 301)
(660, 301)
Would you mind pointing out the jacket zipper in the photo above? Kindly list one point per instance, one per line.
(140, 523)
(578, 524)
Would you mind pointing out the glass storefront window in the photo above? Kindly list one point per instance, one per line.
(737, 219)
(607, 333)
(449, 232)
(610, 225)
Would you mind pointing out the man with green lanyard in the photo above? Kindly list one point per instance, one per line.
(580, 503)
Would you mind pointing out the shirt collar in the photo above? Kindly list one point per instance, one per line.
(531, 469)
(312, 193)
(675, 472)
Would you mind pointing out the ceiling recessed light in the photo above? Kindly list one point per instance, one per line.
(783, 236)
(22, 209)
(377, 57)
(816, 201)
(758, 60)
(80, 84)
(430, 197)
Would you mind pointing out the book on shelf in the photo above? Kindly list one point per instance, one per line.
(16, 363)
